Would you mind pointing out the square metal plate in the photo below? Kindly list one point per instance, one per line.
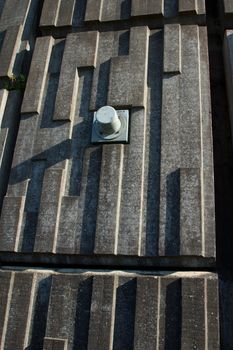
(121, 137)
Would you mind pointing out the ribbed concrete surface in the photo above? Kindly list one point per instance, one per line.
(153, 197)
(108, 310)
(147, 204)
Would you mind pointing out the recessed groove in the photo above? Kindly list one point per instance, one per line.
(109, 262)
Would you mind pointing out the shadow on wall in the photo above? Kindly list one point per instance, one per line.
(153, 142)
(125, 9)
(73, 150)
(124, 315)
(173, 316)
(40, 314)
(172, 228)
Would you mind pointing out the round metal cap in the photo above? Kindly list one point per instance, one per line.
(108, 122)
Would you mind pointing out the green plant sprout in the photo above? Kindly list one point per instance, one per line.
(15, 82)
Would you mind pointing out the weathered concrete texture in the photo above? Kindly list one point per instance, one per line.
(186, 152)
(62, 13)
(172, 48)
(17, 29)
(150, 7)
(127, 82)
(153, 197)
(99, 311)
(80, 52)
(36, 83)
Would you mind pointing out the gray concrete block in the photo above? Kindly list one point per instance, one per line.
(103, 303)
(9, 116)
(10, 48)
(191, 221)
(127, 82)
(85, 228)
(188, 5)
(47, 228)
(11, 223)
(67, 223)
(146, 314)
(169, 172)
(151, 7)
(228, 6)
(23, 151)
(83, 47)
(184, 108)
(212, 297)
(37, 76)
(108, 48)
(58, 344)
(17, 31)
(17, 316)
(106, 11)
(119, 93)
(80, 51)
(57, 15)
(107, 224)
(172, 48)
(14, 13)
(201, 7)
(6, 280)
(190, 114)
(50, 13)
(66, 13)
(207, 144)
(93, 10)
(63, 297)
(139, 65)
(112, 10)
(193, 319)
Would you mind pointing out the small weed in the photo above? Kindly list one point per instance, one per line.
(15, 83)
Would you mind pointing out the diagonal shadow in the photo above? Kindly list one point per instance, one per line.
(40, 315)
